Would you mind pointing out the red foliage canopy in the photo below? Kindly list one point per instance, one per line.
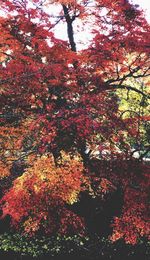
(68, 97)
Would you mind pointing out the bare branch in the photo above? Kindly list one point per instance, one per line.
(114, 87)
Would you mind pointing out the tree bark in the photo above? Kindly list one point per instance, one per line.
(70, 32)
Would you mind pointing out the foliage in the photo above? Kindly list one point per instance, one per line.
(40, 194)
(76, 246)
(59, 106)
(133, 222)
(134, 108)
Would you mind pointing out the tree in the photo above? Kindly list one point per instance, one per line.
(68, 97)
(134, 109)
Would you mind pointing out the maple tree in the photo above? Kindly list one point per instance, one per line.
(58, 101)
(44, 190)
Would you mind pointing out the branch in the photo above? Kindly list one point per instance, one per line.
(109, 87)
(70, 32)
(130, 111)
(131, 73)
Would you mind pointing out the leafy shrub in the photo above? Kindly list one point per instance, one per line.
(75, 246)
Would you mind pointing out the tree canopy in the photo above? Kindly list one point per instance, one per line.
(60, 105)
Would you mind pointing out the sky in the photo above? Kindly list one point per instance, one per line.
(85, 36)
(145, 4)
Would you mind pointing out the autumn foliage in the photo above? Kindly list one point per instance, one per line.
(61, 117)
(40, 194)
